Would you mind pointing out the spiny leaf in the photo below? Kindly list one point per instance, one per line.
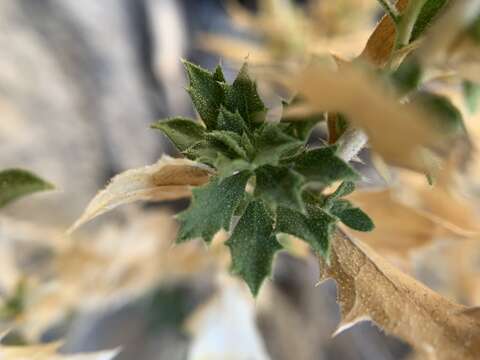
(315, 227)
(206, 93)
(272, 144)
(302, 129)
(230, 121)
(202, 152)
(15, 183)
(242, 95)
(253, 245)
(218, 74)
(227, 167)
(280, 186)
(212, 208)
(371, 288)
(351, 216)
(229, 142)
(428, 13)
(323, 166)
(168, 179)
(181, 131)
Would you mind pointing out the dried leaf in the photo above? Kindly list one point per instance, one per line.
(168, 179)
(399, 228)
(369, 288)
(380, 44)
(402, 132)
(442, 202)
(50, 352)
(108, 268)
(449, 45)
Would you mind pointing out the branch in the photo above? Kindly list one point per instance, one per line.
(391, 10)
(407, 21)
(351, 142)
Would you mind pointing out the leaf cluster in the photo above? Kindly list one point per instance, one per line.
(267, 177)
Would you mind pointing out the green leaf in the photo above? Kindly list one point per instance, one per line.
(230, 121)
(206, 92)
(218, 74)
(352, 216)
(280, 186)
(448, 117)
(428, 13)
(15, 183)
(272, 145)
(227, 167)
(408, 76)
(300, 128)
(315, 228)
(202, 152)
(183, 133)
(242, 96)
(474, 29)
(471, 93)
(323, 166)
(212, 208)
(253, 245)
(228, 142)
(344, 189)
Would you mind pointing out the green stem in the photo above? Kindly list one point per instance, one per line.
(407, 21)
(390, 9)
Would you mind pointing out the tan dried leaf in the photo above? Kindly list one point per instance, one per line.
(452, 269)
(399, 228)
(401, 134)
(448, 46)
(110, 267)
(442, 201)
(369, 288)
(49, 352)
(380, 44)
(168, 179)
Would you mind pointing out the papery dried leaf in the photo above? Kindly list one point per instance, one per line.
(399, 228)
(109, 268)
(380, 44)
(168, 179)
(397, 132)
(236, 49)
(442, 201)
(452, 268)
(369, 288)
(447, 31)
(50, 352)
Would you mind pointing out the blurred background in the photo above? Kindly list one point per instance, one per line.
(80, 83)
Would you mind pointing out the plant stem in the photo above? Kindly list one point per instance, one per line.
(350, 143)
(390, 9)
(407, 21)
